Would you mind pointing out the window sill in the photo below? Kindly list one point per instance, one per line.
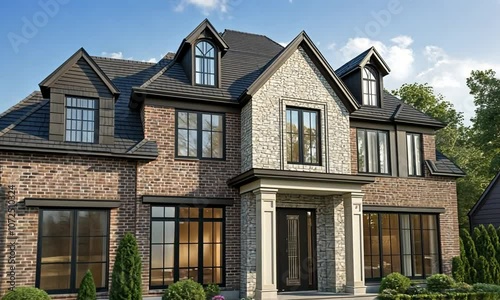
(199, 159)
(375, 174)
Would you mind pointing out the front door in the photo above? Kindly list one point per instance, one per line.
(296, 245)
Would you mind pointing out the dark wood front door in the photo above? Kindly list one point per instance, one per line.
(296, 256)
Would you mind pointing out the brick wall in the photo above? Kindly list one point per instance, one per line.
(168, 176)
(56, 177)
(427, 191)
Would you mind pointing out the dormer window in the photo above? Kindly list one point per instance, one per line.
(205, 68)
(370, 89)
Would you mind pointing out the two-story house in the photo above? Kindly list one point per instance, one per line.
(233, 161)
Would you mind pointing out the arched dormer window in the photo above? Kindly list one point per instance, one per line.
(205, 67)
(370, 88)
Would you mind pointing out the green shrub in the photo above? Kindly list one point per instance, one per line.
(416, 290)
(458, 269)
(469, 249)
(184, 289)
(395, 281)
(87, 288)
(438, 283)
(126, 278)
(484, 287)
(26, 293)
(212, 290)
(462, 287)
(483, 270)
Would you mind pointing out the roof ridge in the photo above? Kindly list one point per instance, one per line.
(121, 59)
(250, 33)
(10, 109)
(24, 117)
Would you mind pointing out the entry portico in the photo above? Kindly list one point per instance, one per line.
(334, 202)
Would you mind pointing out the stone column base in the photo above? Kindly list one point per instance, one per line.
(266, 294)
(357, 289)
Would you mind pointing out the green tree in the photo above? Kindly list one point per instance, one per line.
(483, 270)
(87, 289)
(126, 278)
(458, 269)
(466, 265)
(486, 249)
(471, 254)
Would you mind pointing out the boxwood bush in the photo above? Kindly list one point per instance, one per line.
(439, 283)
(26, 293)
(184, 289)
(395, 281)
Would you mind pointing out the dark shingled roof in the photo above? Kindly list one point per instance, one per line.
(26, 124)
(247, 57)
(352, 64)
(443, 166)
(394, 109)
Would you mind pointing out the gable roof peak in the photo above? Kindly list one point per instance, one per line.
(72, 60)
(362, 60)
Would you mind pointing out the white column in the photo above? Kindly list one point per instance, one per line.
(355, 274)
(266, 244)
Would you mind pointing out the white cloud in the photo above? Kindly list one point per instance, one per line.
(448, 74)
(283, 44)
(117, 55)
(398, 54)
(151, 60)
(206, 6)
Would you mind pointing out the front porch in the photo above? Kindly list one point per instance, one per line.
(275, 246)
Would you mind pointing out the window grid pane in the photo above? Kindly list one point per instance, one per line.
(373, 151)
(369, 87)
(198, 251)
(81, 117)
(409, 244)
(205, 64)
(73, 240)
(200, 135)
(414, 154)
(302, 136)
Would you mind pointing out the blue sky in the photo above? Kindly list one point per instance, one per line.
(438, 42)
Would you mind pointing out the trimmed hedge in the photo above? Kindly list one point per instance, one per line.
(439, 296)
(26, 293)
(185, 289)
(395, 281)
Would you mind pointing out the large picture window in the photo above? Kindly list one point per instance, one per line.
(302, 136)
(186, 243)
(70, 242)
(404, 243)
(373, 151)
(414, 146)
(205, 64)
(200, 135)
(81, 120)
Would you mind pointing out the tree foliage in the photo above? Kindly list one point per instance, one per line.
(126, 278)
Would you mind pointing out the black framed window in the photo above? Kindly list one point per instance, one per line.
(370, 89)
(205, 68)
(373, 151)
(414, 148)
(81, 120)
(302, 136)
(404, 243)
(70, 242)
(187, 243)
(200, 135)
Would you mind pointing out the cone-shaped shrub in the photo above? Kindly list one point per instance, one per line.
(469, 271)
(485, 248)
(483, 270)
(126, 278)
(87, 288)
(471, 254)
(30, 293)
(458, 269)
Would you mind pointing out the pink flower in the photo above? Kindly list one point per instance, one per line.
(218, 297)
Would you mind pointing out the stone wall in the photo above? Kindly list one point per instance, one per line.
(299, 83)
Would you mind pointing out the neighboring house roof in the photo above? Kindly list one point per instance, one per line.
(443, 166)
(485, 194)
(25, 126)
(394, 109)
(361, 60)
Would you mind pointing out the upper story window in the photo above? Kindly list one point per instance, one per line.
(373, 151)
(370, 89)
(81, 120)
(302, 136)
(414, 146)
(205, 68)
(200, 135)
